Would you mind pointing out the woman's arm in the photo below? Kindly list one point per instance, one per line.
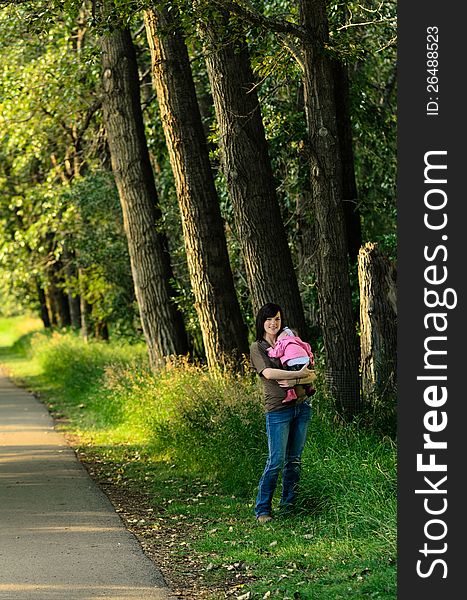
(270, 373)
(306, 380)
(283, 374)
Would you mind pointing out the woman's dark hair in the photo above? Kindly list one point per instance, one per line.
(266, 312)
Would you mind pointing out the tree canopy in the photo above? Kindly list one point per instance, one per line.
(62, 237)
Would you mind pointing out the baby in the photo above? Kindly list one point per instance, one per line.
(294, 354)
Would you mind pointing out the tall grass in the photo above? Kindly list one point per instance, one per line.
(208, 425)
(349, 481)
(14, 328)
(212, 428)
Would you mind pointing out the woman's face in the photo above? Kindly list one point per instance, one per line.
(272, 325)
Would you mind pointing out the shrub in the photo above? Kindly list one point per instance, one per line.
(208, 424)
(213, 426)
(350, 479)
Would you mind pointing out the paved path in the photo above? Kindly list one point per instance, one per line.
(60, 538)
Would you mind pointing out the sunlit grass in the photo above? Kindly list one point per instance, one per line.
(12, 328)
(196, 445)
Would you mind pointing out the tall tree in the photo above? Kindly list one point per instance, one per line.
(337, 320)
(223, 330)
(326, 183)
(248, 171)
(44, 311)
(353, 225)
(162, 323)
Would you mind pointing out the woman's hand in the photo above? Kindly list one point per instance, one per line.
(305, 376)
(305, 372)
(302, 377)
(311, 378)
(290, 378)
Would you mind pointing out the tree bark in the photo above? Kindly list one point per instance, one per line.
(60, 308)
(247, 167)
(75, 310)
(64, 317)
(334, 295)
(150, 264)
(73, 296)
(378, 324)
(44, 311)
(85, 308)
(349, 185)
(224, 333)
(51, 304)
(101, 331)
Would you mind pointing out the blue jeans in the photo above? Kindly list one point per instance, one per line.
(286, 429)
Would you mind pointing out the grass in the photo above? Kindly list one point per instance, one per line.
(192, 447)
(13, 328)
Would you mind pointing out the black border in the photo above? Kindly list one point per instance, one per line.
(419, 133)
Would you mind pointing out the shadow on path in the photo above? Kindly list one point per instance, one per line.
(60, 538)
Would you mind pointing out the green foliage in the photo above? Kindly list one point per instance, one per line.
(349, 480)
(195, 419)
(46, 111)
(58, 207)
(75, 370)
(183, 413)
(195, 446)
(363, 36)
(16, 327)
(52, 217)
(101, 255)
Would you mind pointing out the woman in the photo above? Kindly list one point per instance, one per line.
(286, 425)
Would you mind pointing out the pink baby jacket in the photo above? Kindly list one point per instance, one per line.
(291, 347)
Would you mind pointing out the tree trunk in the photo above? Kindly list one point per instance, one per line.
(247, 167)
(85, 309)
(101, 331)
(75, 310)
(161, 322)
(337, 321)
(58, 297)
(75, 314)
(73, 297)
(43, 306)
(307, 243)
(378, 324)
(64, 317)
(51, 303)
(224, 333)
(353, 225)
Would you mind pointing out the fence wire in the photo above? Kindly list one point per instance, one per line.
(344, 387)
